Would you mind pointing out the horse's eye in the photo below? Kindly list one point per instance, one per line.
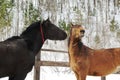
(82, 31)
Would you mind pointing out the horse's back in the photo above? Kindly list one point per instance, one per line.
(102, 62)
(10, 48)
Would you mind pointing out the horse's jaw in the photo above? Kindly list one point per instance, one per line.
(56, 37)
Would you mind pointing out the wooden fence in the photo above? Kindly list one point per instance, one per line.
(39, 63)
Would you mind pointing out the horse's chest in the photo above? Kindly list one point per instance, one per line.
(79, 63)
(117, 70)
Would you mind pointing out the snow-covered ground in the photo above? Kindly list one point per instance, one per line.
(66, 76)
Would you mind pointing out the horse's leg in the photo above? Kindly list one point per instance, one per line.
(77, 75)
(11, 77)
(82, 77)
(83, 69)
(82, 74)
(18, 76)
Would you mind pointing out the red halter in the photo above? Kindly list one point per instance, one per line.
(41, 30)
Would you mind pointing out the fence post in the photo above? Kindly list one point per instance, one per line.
(37, 67)
(103, 78)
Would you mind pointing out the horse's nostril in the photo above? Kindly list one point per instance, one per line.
(82, 31)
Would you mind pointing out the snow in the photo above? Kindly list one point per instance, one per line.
(95, 23)
(62, 76)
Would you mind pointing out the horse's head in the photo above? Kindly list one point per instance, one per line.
(77, 31)
(38, 32)
(52, 32)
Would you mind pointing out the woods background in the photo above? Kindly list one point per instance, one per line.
(100, 18)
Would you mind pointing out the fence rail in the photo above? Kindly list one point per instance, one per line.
(52, 63)
(39, 63)
(52, 50)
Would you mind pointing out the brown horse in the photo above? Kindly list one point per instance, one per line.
(86, 61)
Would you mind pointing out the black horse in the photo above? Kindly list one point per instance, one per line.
(17, 54)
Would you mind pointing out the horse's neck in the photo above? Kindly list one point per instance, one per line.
(76, 47)
(73, 41)
(37, 45)
(34, 44)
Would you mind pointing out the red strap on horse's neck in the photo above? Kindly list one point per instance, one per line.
(41, 30)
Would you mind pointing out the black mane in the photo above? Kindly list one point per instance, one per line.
(30, 35)
(13, 38)
(80, 44)
(32, 27)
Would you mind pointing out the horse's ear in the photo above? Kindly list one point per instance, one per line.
(48, 19)
(71, 24)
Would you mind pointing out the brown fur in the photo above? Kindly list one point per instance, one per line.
(86, 61)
